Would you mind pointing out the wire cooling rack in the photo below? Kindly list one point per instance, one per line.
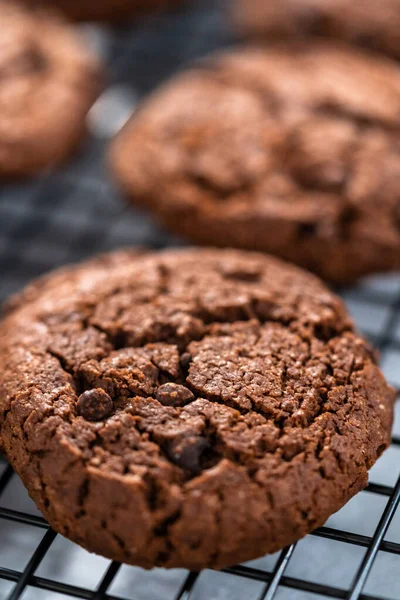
(71, 214)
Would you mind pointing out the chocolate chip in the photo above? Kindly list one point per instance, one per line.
(313, 21)
(187, 452)
(242, 275)
(248, 272)
(95, 405)
(172, 394)
(306, 230)
(367, 39)
(347, 218)
(185, 360)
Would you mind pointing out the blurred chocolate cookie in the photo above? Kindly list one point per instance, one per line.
(104, 10)
(293, 150)
(368, 23)
(48, 81)
(191, 408)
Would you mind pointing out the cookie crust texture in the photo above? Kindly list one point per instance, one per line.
(190, 408)
(104, 10)
(369, 24)
(48, 82)
(292, 150)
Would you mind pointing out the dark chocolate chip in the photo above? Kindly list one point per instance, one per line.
(242, 275)
(312, 20)
(242, 272)
(187, 452)
(369, 40)
(186, 359)
(306, 230)
(348, 217)
(173, 394)
(95, 405)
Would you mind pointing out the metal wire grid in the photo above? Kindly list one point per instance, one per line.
(70, 215)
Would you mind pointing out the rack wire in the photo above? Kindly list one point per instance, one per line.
(69, 215)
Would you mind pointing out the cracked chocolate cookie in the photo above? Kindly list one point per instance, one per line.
(292, 150)
(191, 408)
(48, 81)
(104, 10)
(367, 23)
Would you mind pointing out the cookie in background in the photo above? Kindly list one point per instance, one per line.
(292, 149)
(48, 82)
(365, 22)
(104, 10)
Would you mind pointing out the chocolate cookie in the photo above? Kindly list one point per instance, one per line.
(48, 81)
(292, 150)
(193, 408)
(368, 23)
(104, 10)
